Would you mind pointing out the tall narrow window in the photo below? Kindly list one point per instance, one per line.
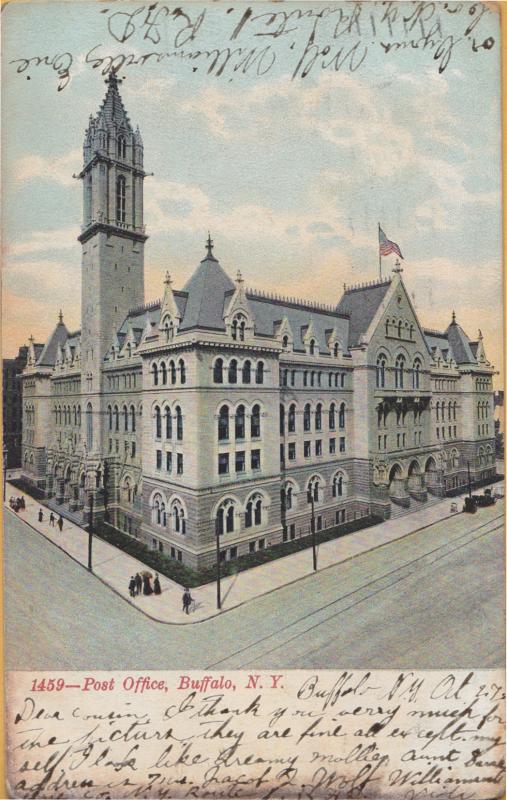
(282, 420)
(255, 422)
(381, 372)
(158, 423)
(89, 426)
(307, 417)
(292, 419)
(247, 372)
(223, 423)
(318, 417)
(398, 372)
(233, 371)
(121, 194)
(179, 423)
(168, 424)
(259, 373)
(240, 422)
(218, 371)
(122, 147)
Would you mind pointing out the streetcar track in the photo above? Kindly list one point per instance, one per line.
(399, 580)
(332, 603)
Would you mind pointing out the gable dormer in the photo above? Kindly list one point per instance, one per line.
(129, 344)
(309, 339)
(238, 317)
(149, 331)
(285, 336)
(170, 316)
(333, 343)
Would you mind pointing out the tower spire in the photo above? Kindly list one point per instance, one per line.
(454, 317)
(60, 317)
(209, 245)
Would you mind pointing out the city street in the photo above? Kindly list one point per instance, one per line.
(433, 599)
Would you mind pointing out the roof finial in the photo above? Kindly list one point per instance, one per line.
(60, 317)
(454, 317)
(397, 267)
(167, 280)
(112, 78)
(239, 277)
(480, 335)
(209, 245)
(31, 339)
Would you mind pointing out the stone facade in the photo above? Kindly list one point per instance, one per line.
(223, 410)
(12, 407)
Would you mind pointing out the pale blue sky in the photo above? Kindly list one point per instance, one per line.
(291, 176)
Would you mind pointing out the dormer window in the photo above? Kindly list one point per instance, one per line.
(285, 342)
(238, 328)
(336, 349)
(312, 347)
(122, 147)
(168, 328)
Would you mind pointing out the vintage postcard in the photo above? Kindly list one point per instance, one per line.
(253, 390)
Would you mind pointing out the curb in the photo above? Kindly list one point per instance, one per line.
(222, 611)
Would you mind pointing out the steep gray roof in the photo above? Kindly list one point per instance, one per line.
(361, 305)
(453, 341)
(205, 291)
(269, 313)
(460, 344)
(47, 357)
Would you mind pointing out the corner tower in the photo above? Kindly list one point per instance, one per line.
(112, 234)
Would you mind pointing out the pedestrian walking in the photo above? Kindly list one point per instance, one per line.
(22, 503)
(60, 523)
(132, 586)
(147, 583)
(52, 519)
(41, 515)
(139, 583)
(156, 585)
(187, 600)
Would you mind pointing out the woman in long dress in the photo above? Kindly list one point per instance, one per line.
(146, 584)
(156, 585)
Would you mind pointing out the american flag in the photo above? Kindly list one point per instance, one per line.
(386, 246)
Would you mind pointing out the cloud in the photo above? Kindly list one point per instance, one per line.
(56, 169)
(43, 241)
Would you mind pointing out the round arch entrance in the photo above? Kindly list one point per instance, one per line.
(397, 486)
(416, 487)
(432, 476)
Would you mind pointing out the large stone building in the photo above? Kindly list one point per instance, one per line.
(224, 409)
(12, 410)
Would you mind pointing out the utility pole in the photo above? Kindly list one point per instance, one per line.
(4, 477)
(469, 480)
(312, 524)
(90, 534)
(217, 537)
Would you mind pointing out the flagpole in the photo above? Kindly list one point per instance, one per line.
(379, 256)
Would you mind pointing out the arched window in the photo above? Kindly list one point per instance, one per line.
(285, 342)
(116, 419)
(332, 417)
(125, 419)
(121, 194)
(454, 409)
(79, 416)
(292, 418)
(89, 426)
(437, 410)
(156, 509)
(154, 370)
(336, 349)
(288, 498)
(416, 373)
(225, 517)
(240, 422)
(168, 424)
(158, 423)
(122, 147)
(163, 373)
(178, 516)
(259, 372)
(318, 417)
(443, 410)
(179, 424)
(110, 417)
(218, 371)
(307, 419)
(398, 371)
(223, 423)
(282, 419)
(183, 376)
(253, 511)
(312, 347)
(233, 371)
(313, 490)
(172, 368)
(381, 372)
(234, 329)
(312, 379)
(338, 486)
(341, 416)
(337, 380)
(255, 422)
(399, 329)
(133, 419)
(75, 415)
(411, 331)
(247, 372)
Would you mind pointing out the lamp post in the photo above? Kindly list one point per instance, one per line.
(90, 533)
(5, 453)
(217, 537)
(469, 480)
(312, 526)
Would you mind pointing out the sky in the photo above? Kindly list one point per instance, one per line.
(291, 175)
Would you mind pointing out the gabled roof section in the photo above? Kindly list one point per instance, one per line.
(361, 303)
(205, 291)
(47, 358)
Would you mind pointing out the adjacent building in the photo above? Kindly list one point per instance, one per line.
(12, 406)
(223, 409)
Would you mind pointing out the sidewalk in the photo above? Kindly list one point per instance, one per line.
(114, 567)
